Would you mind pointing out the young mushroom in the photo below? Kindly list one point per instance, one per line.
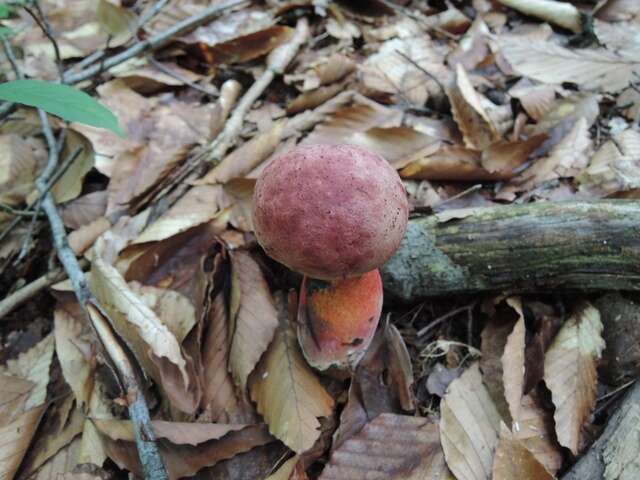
(334, 213)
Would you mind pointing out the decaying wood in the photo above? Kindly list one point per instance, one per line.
(534, 247)
(616, 454)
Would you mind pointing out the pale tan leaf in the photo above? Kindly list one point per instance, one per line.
(218, 396)
(614, 167)
(15, 438)
(33, 365)
(480, 121)
(155, 347)
(588, 68)
(84, 209)
(254, 318)
(531, 424)
(398, 68)
(469, 427)
(61, 464)
(288, 394)
(570, 373)
(91, 448)
(172, 308)
(390, 447)
(504, 157)
(240, 193)
(513, 460)
(13, 396)
(313, 98)
(324, 71)
(535, 99)
(70, 184)
(197, 206)
(83, 238)
(18, 169)
(115, 20)
(559, 13)
(75, 353)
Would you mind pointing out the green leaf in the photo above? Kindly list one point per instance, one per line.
(66, 102)
(5, 10)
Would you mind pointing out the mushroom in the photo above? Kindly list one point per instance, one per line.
(334, 213)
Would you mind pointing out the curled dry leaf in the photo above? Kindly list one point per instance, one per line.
(481, 122)
(253, 316)
(469, 427)
(513, 460)
(154, 345)
(323, 72)
(570, 373)
(185, 447)
(288, 394)
(390, 447)
(558, 13)
(535, 99)
(84, 209)
(532, 426)
(614, 167)
(70, 184)
(33, 365)
(15, 438)
(590, 69)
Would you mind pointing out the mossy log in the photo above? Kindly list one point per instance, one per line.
(520, 248)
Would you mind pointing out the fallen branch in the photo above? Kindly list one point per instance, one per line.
(138, 410)
(534, 247)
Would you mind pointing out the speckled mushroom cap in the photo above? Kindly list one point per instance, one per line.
(330, 211)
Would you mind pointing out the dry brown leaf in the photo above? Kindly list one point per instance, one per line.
(239, 192)
(182, 460)
(15, 438)
(565, 160)
(513, 460)
(469, 427)
(536, 100)
(13, 396)
(70, 184)
(323, 72)
(570, 373)
(33, 365)
(313, 98)
(253, 316)
(83, 238)
(84, 209)
(398, 68)
(75, 353)
(288, 394)
(154, 345)
(199, 205)
(590, 69)
(614, 167)
(400, 368)
(246, 157)
(361, 116)
(19, 166)
(390, 447)
(504, 157)
(481, 122)
(286, 470)
(531, 424)
(59, 466)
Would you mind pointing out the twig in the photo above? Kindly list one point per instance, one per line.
(11, 56)
(277, 63)
(149, 14)
(153, 42)
(423, 331)
(13, 211)
(168, 71)
(17, 298)
(24, 249)
(138, 410)
(422, 69)
(44, 25)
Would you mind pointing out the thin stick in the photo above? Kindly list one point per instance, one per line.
(138, 411)
(153, 42)
(168, 71)
(423, 331)
(44, 25)
(277, 63)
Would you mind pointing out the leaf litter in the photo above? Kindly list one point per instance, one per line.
(474, 104)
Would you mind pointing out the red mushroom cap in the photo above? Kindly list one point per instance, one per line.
(330, 211)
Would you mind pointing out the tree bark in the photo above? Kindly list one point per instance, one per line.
(616, 454)
(519, 248)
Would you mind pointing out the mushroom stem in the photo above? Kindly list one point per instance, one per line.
(337, 320)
